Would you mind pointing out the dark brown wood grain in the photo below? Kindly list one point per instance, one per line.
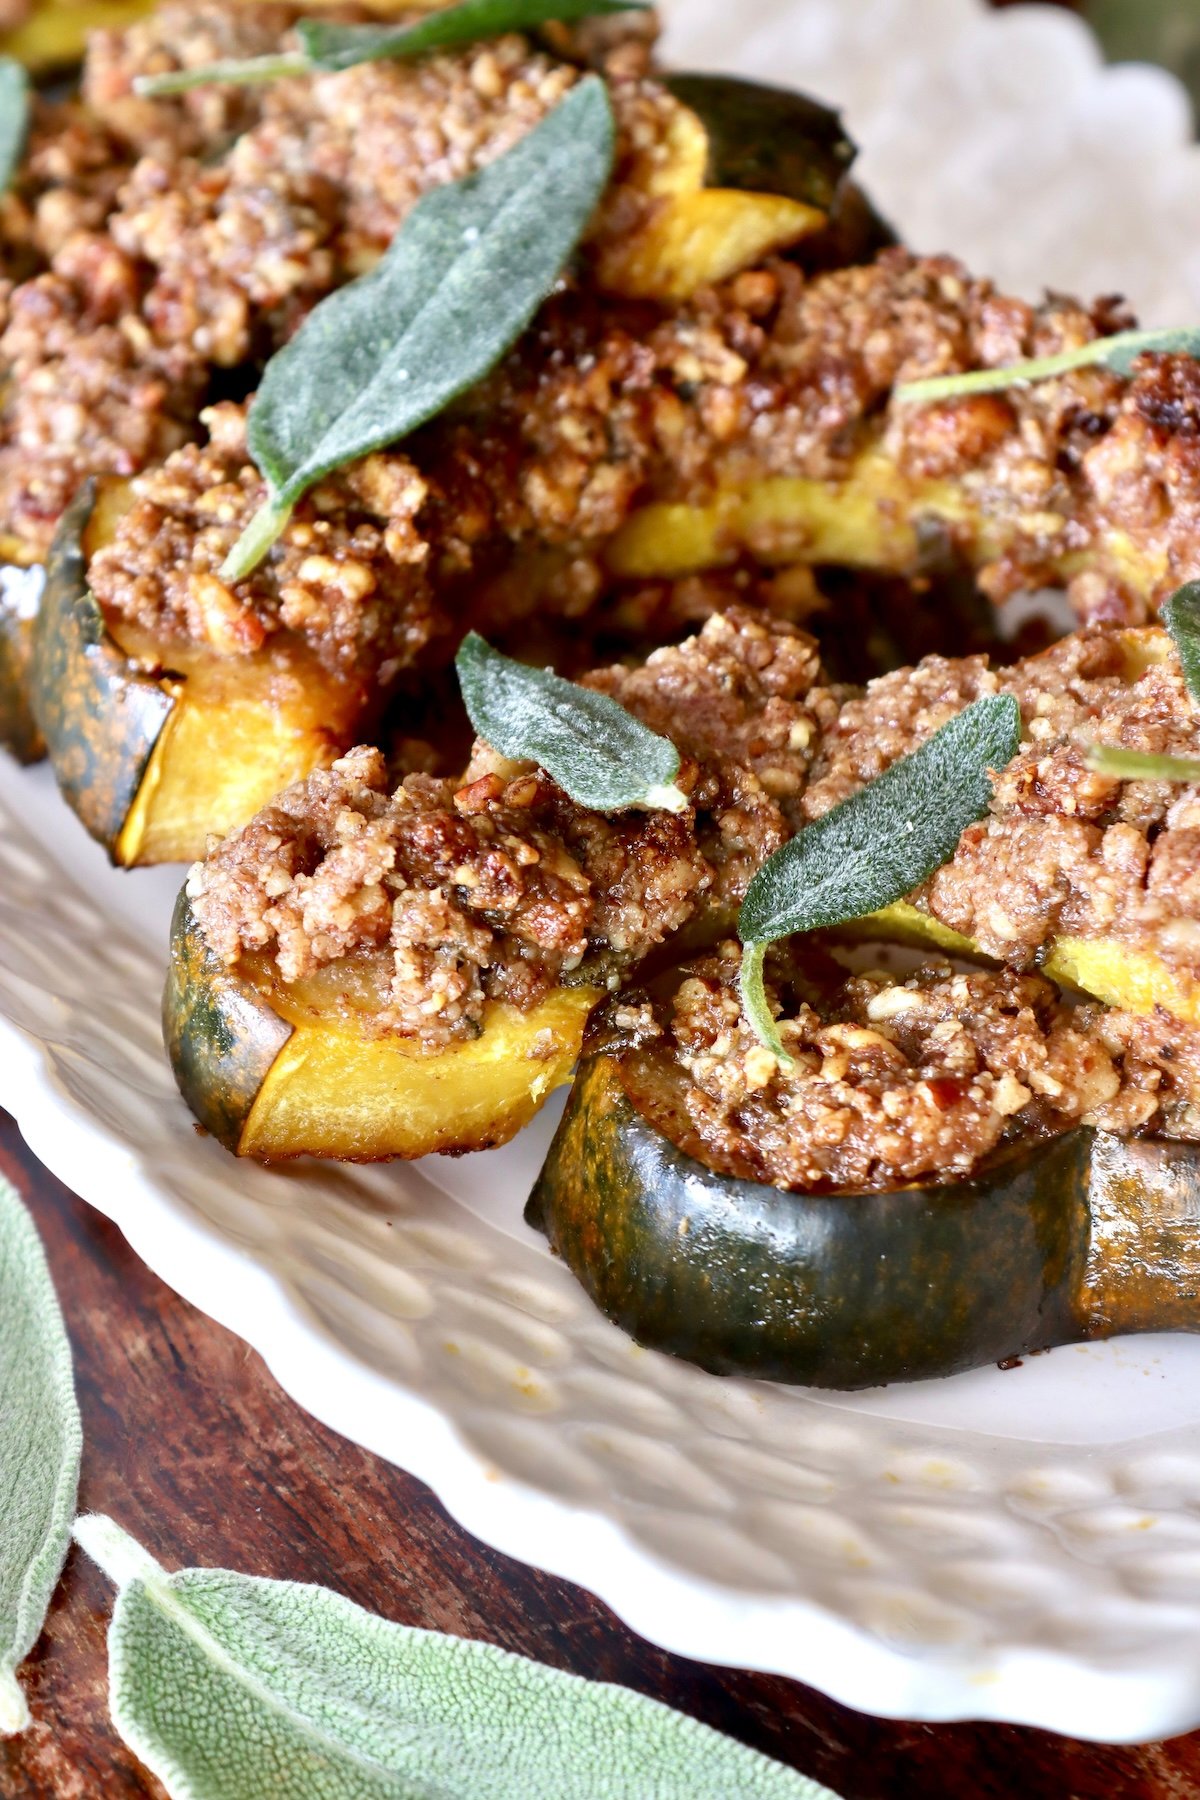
(190, 1444)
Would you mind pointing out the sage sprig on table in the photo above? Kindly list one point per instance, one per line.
(1117, 353)
(878, 845)
(597, 752)
(327, 48)
(231, 1687)
(39, 1447)
(1181, 616)
(460, 281)
(14, 118)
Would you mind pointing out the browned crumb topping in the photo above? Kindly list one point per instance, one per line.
(1064, 851)
(767, 744)
(220, 218)
(500, 886)
(897, 1080)
(607, 405)
(349, 574)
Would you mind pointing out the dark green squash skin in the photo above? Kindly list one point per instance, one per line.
(100, 718)
(18, 732)
(221, 1036)
(765, 140)
(1081, 1236)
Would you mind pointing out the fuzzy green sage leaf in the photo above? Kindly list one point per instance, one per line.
(327, 47)
(597, 752)
(460, 281)
(1141, 765)
(230, 1687)
(1118, 353)
(1181, 616)
(40, 1442)
(886, 839)
(14, 118)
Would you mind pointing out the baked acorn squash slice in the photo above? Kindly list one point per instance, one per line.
(745, 170)
(277, 1071)
(1079, 1236)
(155, 746)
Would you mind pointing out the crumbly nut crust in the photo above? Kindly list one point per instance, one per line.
(223, 215)
(896, 1080)
(349, 574)
(499, 886)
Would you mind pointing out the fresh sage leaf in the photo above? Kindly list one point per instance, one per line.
(14, 118)
(597, 752)
(328, 47)
(887, 838)
(460, 281)
(1118, 353)
(230, 1687)
(40, 1442)
(1141, 765)
(1181, 616)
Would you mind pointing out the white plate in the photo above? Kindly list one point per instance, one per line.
(884, 1547)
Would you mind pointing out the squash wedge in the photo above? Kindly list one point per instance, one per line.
(155, 747)
(745, 170)
(275, 1075)
(1081, 1236)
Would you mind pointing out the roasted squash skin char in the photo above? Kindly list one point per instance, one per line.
(1076, 1237)
(275, 1077)
(153, 762)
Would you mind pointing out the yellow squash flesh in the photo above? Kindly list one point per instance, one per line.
(693, 234)
(240, 730)
(334, 1093)
(873, 518)
(56, 31)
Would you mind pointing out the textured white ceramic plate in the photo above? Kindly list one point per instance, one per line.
(1021, 1545)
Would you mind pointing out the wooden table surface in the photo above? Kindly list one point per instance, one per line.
(190, 1444)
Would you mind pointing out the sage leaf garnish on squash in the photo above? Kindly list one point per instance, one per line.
(878, 845)
(1118, 353)
(14, 118)
(597, 752)
(1142, 765)
(1181, 616)
(327, 47)
(460, 281)
(39, 1447)
(230, 1687)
